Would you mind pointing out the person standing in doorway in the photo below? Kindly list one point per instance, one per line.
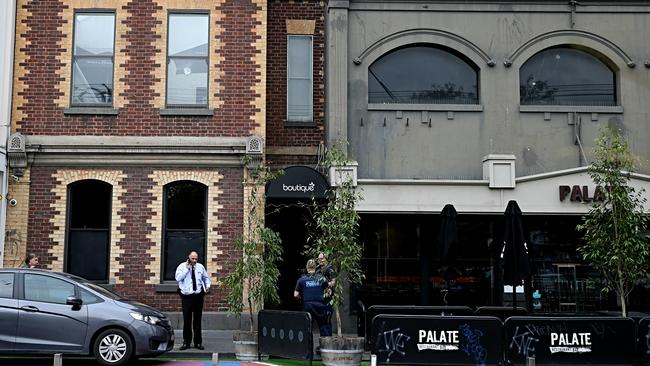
(193, 284)
(310, 287)
(325, 269)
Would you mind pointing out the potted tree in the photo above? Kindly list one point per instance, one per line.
(613, 228)
(254, 276)
(335, 235)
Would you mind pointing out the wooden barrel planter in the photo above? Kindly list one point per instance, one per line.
(341, 351)
(245, 345)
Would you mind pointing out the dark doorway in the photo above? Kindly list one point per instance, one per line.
(291, 219)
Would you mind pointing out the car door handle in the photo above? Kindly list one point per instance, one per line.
(31, 309)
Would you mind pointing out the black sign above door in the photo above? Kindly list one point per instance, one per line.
(298, 182)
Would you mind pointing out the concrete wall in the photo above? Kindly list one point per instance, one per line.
(492, 35)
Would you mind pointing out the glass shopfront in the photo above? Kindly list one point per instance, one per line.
(404, 264)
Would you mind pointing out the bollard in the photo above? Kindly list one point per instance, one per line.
(58, 359)
(215, 359)
(530, 361)
(373, 360)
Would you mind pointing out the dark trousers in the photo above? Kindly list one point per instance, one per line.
(192, 313)
(322, 313)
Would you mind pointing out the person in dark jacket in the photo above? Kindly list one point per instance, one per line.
(311, 288)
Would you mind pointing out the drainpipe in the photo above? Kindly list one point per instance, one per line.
(7, 36)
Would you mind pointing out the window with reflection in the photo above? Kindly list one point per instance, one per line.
(423, 75)
(187, 60)
(299, 78)
(184, 224)
(89, 225)
(92, 60)
(566, 76)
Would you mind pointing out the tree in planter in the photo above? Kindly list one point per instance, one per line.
(254, 276)
(335, 233)
(612, 229)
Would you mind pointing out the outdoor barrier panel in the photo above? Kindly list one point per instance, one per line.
(285, 334)
(501, 312)
(437, 340)
(375, 310)
(644, 341)
(571, 340)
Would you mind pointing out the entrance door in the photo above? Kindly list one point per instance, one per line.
(291, 221)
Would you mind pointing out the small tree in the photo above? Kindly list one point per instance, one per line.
(612, 229)
(254, 276)
(335, 233)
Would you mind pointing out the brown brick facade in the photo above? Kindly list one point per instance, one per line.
(280, 13)
(237, 69)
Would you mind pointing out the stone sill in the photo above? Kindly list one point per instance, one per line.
(198, 112)
(98, 111)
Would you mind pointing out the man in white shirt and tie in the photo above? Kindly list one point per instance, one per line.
(193, 283)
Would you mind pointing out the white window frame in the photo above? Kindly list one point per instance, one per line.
(310, 117)
(168, 58)
(75, 57)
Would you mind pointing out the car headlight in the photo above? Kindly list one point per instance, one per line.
(153, 320)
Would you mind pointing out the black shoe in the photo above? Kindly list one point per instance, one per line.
(184, 347)
(199, 346)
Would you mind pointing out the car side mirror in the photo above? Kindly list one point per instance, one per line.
(74, 301)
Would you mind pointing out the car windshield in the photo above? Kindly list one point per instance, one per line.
(102, 291)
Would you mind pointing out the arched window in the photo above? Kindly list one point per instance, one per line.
(89, 227)
(184, 224)
(422, 75)
(566, 76)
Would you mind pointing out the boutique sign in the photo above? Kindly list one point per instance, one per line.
(298, 182)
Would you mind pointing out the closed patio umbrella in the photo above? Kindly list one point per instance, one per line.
(447, 242)
(514, 255)
(447, 234)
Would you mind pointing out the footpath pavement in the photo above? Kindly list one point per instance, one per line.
(214, 341)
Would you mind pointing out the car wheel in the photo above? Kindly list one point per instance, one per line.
(113, 347)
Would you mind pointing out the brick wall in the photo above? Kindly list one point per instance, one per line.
(134, 244)
(278, 134)
(237, 69)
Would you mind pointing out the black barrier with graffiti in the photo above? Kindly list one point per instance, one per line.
(285, 334)
(571, 340)
(437, 340)
(644, 341)
(375, 310)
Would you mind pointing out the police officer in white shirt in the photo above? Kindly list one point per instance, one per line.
(193, 284)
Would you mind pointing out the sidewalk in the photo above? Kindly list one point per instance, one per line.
(214, 341)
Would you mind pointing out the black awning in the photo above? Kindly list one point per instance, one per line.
(298, 182)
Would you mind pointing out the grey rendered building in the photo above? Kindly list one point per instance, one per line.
(474, 104)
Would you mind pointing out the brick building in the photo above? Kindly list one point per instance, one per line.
(130, 120)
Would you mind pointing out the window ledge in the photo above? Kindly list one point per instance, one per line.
(299, 124)
(425, 107)
(570, 108)
(105, 111)
(166, 287)
(106, 286)
(205, 112)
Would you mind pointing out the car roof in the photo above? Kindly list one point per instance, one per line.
(43, 271)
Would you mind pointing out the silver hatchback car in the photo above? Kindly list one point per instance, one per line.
(44, 312)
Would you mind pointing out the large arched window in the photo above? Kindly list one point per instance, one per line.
(566, 76)
(89, 227)
(185, 222)
(422, 75)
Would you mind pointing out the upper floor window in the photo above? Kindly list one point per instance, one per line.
(187, 60)
(566, 76)
(299, 78)
(92, 59)
(422, 75)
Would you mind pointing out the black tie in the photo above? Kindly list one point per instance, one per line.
(193, 280)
